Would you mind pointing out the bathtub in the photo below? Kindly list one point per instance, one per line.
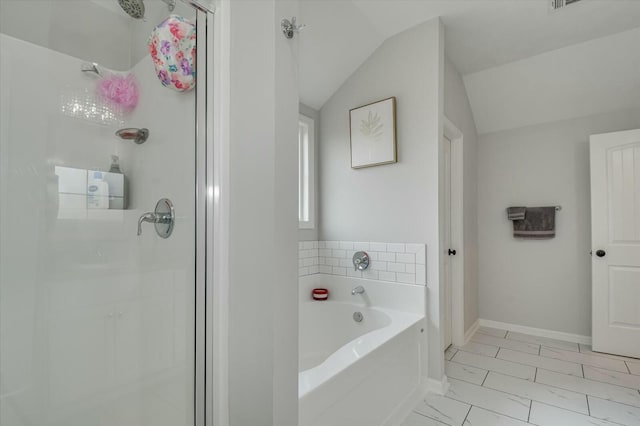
(359, 373)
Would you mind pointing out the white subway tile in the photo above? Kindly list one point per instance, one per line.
(410, 268)
(413, 248)
(300, 245)
(346, 245)
(332, 261)
(313, 269)
(373, 255)
(361, 246)
(315, 244)
(347, 263)
(395, 267)
(325, 269)
(406, 278)
(324, 252)
(406, 258)
(421, 256)
(307, 245)
(378, 266)
(395, 247)
(303, 271)
(332, 244)
(314, 252)
(378, 246)
(322, 244)
(387, 276)
(322, 261)
(309, 261)
(370, 274)
(339, 253)
(421, 274)
(387, 257)
(301, 263)
(339, 271)
(354, 273)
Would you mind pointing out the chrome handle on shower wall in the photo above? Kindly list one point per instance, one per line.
(163, 218)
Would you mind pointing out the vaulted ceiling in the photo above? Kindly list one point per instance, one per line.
(480, 34)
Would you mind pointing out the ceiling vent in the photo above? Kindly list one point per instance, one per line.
(561, 4)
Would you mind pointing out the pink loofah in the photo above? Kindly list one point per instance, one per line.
(122, 90)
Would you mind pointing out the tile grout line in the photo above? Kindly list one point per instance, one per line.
(485, 378)
(552, 386)
(488, 409)
(564, 360)
(582, 367)
(465, 417)
(535, 376)
(588, 407)
(627, 365)
(588, 355)
(531, 399)
(529, 415)
(489, 371)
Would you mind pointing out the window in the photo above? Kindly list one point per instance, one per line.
(306, 176)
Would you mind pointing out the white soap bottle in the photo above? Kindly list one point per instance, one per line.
(97, 192)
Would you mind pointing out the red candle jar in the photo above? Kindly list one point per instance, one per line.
(320, 294)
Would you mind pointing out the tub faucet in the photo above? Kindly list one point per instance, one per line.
(357, 290)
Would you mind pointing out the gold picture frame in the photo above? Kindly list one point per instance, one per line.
(372, 134)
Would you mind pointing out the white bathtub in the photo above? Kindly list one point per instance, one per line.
(359, 373)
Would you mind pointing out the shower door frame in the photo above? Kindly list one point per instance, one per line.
(204, 205)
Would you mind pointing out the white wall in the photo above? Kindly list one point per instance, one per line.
(458, 111)
(312, 234)
(397, 202)
(594, 77)
(544, 284)
(263, 225)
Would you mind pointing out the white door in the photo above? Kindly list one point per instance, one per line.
(615, 237)
(446, 150)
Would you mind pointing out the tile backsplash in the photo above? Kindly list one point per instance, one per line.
(396, 262)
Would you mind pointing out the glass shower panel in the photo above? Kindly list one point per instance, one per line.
(96, 322)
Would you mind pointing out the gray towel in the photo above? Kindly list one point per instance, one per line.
(539, 224)
(516, 213)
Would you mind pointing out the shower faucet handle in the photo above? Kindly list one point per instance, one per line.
(163, 218)
(147, 217)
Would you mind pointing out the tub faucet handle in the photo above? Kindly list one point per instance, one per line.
(360, 261)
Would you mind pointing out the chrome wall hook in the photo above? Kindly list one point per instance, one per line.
(289, 28)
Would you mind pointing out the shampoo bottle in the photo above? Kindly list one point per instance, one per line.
(97, 192)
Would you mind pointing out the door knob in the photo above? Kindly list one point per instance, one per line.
(601, 253)
(452, 252)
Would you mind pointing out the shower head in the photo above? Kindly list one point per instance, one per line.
(135, 8)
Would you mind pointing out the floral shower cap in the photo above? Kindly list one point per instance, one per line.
(172, 46)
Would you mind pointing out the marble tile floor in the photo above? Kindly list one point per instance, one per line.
(503, 378)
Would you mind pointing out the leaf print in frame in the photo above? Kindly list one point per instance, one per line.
(372, 127)
(373, 134)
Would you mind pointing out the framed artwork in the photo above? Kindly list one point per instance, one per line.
(373, 134)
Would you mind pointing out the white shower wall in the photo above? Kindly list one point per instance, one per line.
(91, 314)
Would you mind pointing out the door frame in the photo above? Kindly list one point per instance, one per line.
(455, 135)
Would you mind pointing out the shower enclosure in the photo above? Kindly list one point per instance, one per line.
(99, 325)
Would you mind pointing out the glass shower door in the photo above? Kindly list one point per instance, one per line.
(97, 323)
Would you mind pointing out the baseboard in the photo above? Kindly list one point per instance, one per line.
(401, 413)
(471, 331)
(540, 332)
(438, 386)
